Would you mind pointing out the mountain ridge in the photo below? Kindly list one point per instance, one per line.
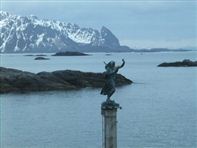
(31, 34)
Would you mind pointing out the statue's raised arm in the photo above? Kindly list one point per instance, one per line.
(123, 63)
(118, 67)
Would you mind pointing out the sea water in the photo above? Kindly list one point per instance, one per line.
(159, 110)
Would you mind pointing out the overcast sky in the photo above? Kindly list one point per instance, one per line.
(138, 24)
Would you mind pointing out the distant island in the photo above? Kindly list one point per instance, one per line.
(184, 63)
(13, 80)
(70, 53)
(41, 58)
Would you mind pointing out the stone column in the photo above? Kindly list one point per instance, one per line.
(109, 114)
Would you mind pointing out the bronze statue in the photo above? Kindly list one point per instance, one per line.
(110, 73)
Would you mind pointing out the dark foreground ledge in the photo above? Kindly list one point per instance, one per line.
(184, 63)
(12, 80)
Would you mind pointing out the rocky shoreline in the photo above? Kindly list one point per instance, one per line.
(13, 80)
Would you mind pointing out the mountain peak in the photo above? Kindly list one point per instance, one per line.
(33, 16)
(3, 14)
(103, 28)
(110, 38)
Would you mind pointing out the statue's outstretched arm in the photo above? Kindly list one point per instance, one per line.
(123, 63)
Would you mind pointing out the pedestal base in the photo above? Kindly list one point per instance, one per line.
(109, 111)
(110, 105)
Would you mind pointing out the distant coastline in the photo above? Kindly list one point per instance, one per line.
(92, 51)
(162, 50)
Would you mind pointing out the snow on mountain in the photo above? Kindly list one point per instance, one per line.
(30, 34)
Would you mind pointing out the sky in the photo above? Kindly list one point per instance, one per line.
(136, 23)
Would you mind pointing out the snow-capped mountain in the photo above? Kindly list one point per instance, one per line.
(30, 34)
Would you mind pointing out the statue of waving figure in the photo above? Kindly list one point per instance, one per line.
(110, 74)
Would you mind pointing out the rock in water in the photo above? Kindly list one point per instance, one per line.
(12, 80)
(184, 63)
(41, 58)
(70, 53)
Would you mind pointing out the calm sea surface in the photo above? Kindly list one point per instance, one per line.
(159, 109)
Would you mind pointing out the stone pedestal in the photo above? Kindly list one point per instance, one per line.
(109, 114)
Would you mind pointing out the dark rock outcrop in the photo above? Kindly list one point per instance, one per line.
(70, 53)
(12, 80)
(41, 58)
(184, 63)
